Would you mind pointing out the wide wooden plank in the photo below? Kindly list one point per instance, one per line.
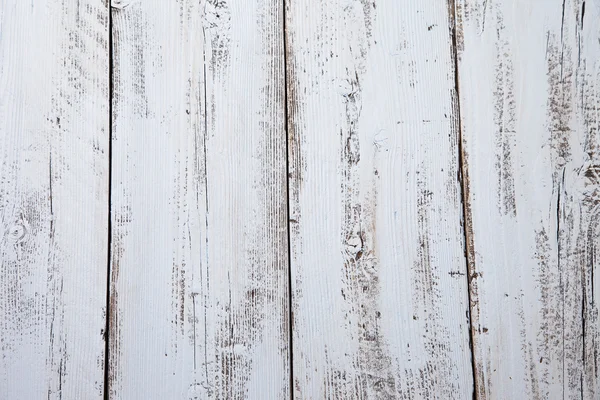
(54, 120)
(529, 91)
(199, 281)
(380, 306)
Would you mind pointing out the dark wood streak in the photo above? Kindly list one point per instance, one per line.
(128, 24)
(551, 312)
(560, 81)
(217, 41)
(504, 119)
(120, 220)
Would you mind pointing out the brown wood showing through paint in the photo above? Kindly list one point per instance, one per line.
(320, 199)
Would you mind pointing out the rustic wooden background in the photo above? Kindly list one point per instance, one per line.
(316, 199)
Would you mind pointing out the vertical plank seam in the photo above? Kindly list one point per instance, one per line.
(287, 190)
(109, 205)
(464, 190)
(204, 141)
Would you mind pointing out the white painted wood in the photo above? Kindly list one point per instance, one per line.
(529, 75)
(379, 287)
(199, 293)
(53, 198)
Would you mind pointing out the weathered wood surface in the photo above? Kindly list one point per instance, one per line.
(54, 136)
(529, 75)
(379, 288)
(199, 271)
(437, 152)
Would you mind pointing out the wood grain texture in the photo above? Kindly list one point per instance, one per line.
(380, 308)
(199, 293)
(529, 75)
(53, 198)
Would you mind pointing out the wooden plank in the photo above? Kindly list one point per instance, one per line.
(379, 287)
(199, 247)
(53, 198)
(529, 91)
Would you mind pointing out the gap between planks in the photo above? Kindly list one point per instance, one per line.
(109, 230)
(463, 179)
(287, 194)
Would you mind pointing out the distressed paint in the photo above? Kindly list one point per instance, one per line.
(528, 79)
(437, 152)
(380, 306)
(54, 120)
(199, 271)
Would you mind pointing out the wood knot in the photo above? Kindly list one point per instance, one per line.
(197, 391)
(217, 14)
(121, 4)
(17, 232)
(355, 246)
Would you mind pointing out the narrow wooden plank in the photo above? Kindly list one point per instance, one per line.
(529, 84)
(53, 198)
(199, 248)
(379, 287)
